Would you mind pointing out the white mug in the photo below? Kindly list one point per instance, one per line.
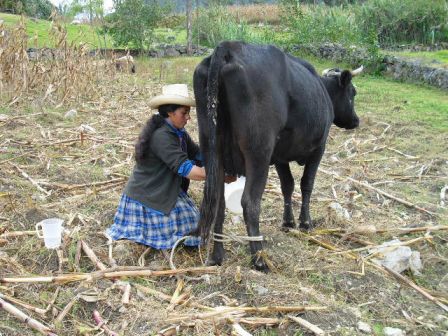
(51, 232)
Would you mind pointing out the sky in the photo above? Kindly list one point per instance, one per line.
(108, 4)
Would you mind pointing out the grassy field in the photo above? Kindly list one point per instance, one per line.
(75, 169)
(40, 36)
(172, 36)
(39, 32)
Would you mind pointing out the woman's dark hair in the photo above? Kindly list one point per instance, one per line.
(153, 123)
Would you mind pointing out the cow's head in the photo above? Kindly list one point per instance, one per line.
(342, 93)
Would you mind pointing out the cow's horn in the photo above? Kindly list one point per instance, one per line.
(357, 71)
(331, 72)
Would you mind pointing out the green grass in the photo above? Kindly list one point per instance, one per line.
(267, 332)
(167, 70)
(434, 58)
(422, 103)
(378, 329)
(171, 36)
(39, 32)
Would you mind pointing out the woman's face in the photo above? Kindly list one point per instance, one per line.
(180, 116)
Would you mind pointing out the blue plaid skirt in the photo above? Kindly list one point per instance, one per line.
(137, 222)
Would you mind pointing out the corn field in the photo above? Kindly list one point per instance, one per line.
(65, 74)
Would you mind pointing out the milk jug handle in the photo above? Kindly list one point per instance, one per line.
(37, 229)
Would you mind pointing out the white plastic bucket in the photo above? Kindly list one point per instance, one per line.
(51, 232)
(233, 193)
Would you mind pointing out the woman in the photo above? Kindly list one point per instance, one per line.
(155, 209)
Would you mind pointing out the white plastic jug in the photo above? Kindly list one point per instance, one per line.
(232, 194)
(51, 232)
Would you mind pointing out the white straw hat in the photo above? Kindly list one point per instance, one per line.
(173, 94)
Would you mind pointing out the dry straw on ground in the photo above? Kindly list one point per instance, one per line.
(75, 168)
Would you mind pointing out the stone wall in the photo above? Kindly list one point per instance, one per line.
(178, 50)
(160, 51)
(400, 69)
(416, 72)
(420, 47)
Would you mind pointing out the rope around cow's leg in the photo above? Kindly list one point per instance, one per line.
(205, 277)
(172, 266)
(141, 259)
(216, 237)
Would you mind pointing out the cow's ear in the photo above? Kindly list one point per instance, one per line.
(345, 78)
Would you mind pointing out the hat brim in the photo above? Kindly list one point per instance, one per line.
(171, 99)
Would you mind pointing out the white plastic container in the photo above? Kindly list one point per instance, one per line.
(233, 193)
(51, 232)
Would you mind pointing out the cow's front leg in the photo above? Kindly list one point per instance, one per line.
(306, 186)
(217, 254)
(251, 200)
(287, 184)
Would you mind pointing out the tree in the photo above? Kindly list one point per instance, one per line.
(64, 9)
(133, 22)
(189, 32)
(37, 8)
(93, 8)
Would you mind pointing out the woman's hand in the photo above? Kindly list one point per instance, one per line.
(196, 174)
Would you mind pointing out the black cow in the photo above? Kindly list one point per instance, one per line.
(258, 106)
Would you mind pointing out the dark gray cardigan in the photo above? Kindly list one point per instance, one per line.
(155, 182)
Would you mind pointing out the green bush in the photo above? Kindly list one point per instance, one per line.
(216, 24)
(406, 21)
(318, 24)
(369, 25)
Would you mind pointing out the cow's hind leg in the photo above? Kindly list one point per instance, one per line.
(306, 187)
(256, 138)
(287, 184)
(257, 173)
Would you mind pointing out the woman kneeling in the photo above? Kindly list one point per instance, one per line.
(155, 209)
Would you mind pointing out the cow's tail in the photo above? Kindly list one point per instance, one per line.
(213, 185)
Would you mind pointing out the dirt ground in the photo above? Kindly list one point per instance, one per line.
(75, 168)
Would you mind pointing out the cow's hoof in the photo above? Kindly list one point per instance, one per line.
(215, 259)
(261, 266)
(289, 224)
(259, 263)
(213, 262)
(305, 226)
(217, 256)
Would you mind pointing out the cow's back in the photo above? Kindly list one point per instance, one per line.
(287, 99)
